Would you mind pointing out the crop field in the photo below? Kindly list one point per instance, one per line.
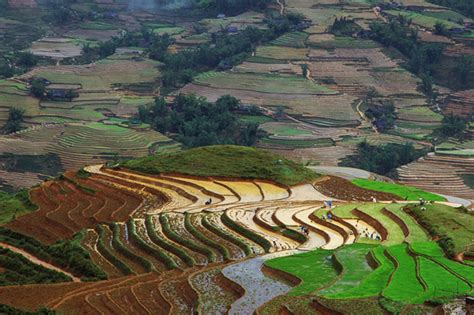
(424, 20)
(164, 247)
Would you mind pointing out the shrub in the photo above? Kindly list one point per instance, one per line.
(120, 265)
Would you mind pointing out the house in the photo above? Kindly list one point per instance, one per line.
(221, 16)
(232, 29)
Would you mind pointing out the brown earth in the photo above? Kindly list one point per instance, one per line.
(343, 189)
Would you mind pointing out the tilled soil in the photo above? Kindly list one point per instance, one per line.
(342, 189)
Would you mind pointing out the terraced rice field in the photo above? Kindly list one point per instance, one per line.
(166, 251)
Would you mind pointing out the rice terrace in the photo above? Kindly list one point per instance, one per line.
(237, 157)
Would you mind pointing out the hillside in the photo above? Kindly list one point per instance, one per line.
(226, 161)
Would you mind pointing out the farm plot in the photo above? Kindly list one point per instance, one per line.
(324, 105)
(57, 48)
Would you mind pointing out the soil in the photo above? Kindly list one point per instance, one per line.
(342, 189)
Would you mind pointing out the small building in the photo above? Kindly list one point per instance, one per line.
(221, 16)
(232, 29)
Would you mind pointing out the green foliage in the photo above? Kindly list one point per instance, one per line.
(246, 233)
(464, 6)
(453, 126)
(232, 7)
(38, 88)
(104, 251)
(450, 226)
(422, 56)
(440, 29)
(204, 239)
(246, 248)
(14, 120)
(122, 249)
(172, 235)
(196, 122)
(383, 115)
(154, 252)
(382, 159)
(226, 161)
(5, 309)
(155, 238)
(344, 26)
(19, 270)
(68, 254)
(14, 205)
(405, 192)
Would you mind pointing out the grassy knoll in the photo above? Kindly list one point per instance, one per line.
(314, 268)
(405, 192)
(14, 205)
(404, 286)
(226, 161)
(355, 269)
(453, 227)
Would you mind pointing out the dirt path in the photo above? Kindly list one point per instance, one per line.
(37, 261)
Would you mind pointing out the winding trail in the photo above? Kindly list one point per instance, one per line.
(37, 261)
(259, 288)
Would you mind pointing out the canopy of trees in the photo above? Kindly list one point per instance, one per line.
(196, 122)
(464, 6)
(15, 117)
(382, 159)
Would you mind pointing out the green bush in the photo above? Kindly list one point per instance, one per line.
(204, 239)
(154, 252)
(155, 238)
(184, 241)
(246, 248)
(245, 232)
(6, 309)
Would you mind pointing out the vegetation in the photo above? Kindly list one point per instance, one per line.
(122, 249)
(382, 159)
(225, 161)
(14, 120)
(104, 251)
(405, 192)
(19, 270)
(155, 238)
(450, 226)
(180, 239)
(68, 254)
(464, 6)
(246, 233)
(154, 252)
(453, 126)
(196, 122)
(204, 239)
(15, 205)
(5, 309)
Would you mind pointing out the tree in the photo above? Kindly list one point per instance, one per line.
(14, 120)
(463, 69)
(453, 126)
(440, 29)
(38, 88)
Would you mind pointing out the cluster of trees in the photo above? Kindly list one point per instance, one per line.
(464, 6)
(397, 33)
(196, 122)
(232, 7)
(17, 63)
(453, 126)
(382, 114)
(14, 120)
(383, 159)
(344, 26)
(224, 52)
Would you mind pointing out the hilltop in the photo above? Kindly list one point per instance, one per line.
(225, 161)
